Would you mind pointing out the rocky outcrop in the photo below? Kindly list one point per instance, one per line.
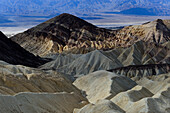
(125, 99)
(167, 23)
(142, 70)
(12, 53)
(159, 103)
(102, 106)
(67, 32)
(147, 98)
(154, 83)
(156, 31)
(103, 85)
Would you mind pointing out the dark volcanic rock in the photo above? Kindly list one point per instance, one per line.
(13, 53)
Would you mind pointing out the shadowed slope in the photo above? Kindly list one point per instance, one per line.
(12, 53)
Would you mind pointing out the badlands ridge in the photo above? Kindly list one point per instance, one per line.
(67, 65)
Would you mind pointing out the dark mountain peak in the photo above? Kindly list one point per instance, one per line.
(60, 33)
(160, 25)
(1, 33)
(70, 21)
(158, 31)
(13, 53)
(2, 36)
(67, 32)
(63, 21)
(67, 15)
(159, 20)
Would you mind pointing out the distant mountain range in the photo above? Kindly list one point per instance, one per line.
(46, 7)
(3, 19)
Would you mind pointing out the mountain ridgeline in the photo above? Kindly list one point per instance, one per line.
(65, 33)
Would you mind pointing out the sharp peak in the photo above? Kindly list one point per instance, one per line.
(66, 14)
(70, 20)
(1, 33)
(158, 20)
(154, 21)
(157, 23)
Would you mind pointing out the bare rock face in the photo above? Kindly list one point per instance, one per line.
(159, 103)
(102, 106)
(154, 83)
(144, 98)
(40, 103)
(125, 99)
(82, 64)
(151, 97)
(156, 31)
(136, 99)
(167, 23)
(12, 53)
(67, 32)
(103, 85)
(140, 59)
(62, 33)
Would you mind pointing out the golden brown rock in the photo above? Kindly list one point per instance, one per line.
(66, 32)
